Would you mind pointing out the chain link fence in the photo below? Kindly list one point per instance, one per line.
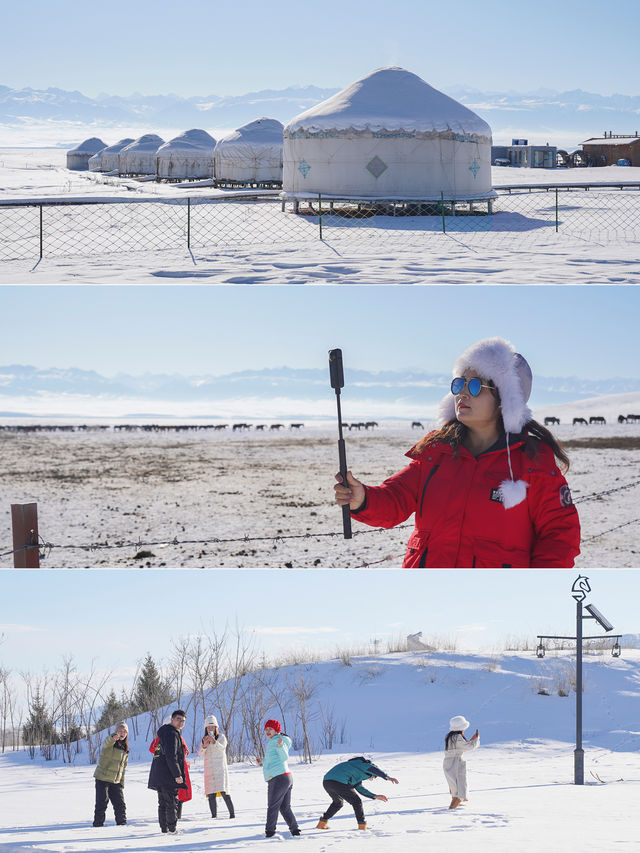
(601, 213)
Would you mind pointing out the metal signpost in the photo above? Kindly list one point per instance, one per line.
(579, 592)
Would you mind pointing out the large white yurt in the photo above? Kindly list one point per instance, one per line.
(389, 135)
(78, 157)
(139, 157)
(108, 158)
(189, 155)
(251, 154)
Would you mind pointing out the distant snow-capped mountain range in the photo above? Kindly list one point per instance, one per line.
(408, 386)
(543, 112)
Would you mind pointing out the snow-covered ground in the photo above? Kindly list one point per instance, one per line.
(140, 487)
(597, 242)
(396, 708)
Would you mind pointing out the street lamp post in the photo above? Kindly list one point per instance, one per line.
(579, 592)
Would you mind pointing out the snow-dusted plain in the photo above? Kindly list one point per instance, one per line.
(396, 708)
(140, 487)
(604, 249)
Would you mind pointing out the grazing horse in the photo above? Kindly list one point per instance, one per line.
(551, 420)
(622, 419)
(633, 418)
(276, 426)
(597, 419)
(296, 426)
(370, 425)
(579, 421)
(416, 425)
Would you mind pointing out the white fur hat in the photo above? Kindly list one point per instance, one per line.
(210, 721)
(458, 724)
(497, 360)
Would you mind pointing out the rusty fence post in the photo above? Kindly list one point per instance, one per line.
(24, 523)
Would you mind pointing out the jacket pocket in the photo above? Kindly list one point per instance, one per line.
(490, 555)
(426, 483)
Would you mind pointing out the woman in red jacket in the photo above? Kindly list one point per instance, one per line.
(485, 487)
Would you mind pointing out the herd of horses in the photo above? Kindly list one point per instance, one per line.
(594, 419)
(245, 427)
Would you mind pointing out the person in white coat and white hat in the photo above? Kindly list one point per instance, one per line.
(455, 765)
(213, 747)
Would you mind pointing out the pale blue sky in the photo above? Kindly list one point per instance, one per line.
(115, 617)
(223, 47)
(563, 331)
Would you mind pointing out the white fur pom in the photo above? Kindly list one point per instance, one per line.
(513, 492)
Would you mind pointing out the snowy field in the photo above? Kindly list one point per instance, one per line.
(521, 791)
(139, 488)
(597, 243)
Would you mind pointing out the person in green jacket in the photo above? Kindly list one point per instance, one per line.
(109, 776)
(342, 782)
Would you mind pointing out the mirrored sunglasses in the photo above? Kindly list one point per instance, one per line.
(474, 385)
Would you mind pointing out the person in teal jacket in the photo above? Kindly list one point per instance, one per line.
(278, 778)
(342, 782)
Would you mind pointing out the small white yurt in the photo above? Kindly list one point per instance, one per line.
(139, 157)
(109, 156)
(78, 157)
(189, 155)
(251, 154)
(389, 135)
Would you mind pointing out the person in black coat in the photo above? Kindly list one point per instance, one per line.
(167, 774)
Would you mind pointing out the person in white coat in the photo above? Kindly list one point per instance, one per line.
(213, 747)
(455, 765)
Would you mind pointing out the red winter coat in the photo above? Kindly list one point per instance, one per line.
(184, 794)
(460, 521)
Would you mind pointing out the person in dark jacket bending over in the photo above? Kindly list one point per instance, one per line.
(167, 774)
(342, 782)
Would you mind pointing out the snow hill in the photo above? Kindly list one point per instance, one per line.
(395, 708)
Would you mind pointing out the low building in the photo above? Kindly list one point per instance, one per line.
(520, 153)
(608, 149)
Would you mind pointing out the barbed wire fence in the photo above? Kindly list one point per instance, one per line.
(105, 225)
(40, 548)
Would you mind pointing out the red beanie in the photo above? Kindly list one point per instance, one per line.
(273, 724)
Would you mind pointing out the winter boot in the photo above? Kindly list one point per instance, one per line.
(455, 802)
(362, 826)
(295, 831)
(322, 824)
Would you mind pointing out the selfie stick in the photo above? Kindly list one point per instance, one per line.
(337, 382)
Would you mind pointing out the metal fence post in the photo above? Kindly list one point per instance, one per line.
(188, 222)
(444, 230)
(41, 239)
(24, 523)
(556, 210)
(320, 214)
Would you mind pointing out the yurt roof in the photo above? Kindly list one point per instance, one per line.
(89, 146)
(191, 140)
(117, 146)
(390, 99)
(149, 142)
(262, 131)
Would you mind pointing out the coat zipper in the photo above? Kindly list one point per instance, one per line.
(424, 488)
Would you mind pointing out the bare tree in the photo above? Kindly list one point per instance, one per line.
(303, 689)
